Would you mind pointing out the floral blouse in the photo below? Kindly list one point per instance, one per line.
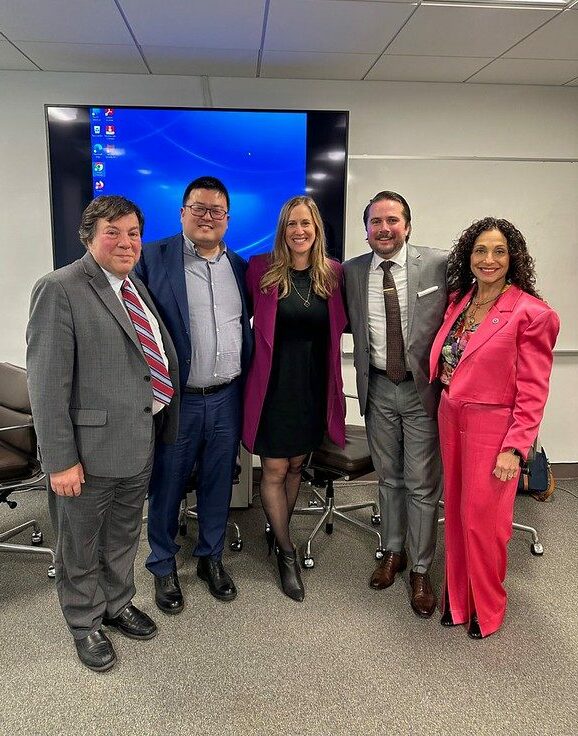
(454, 346)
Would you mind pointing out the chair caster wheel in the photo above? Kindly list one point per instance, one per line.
(236, 545)
(313, 503)
(329, 528)
(378, 553)
(36, 538)
(309, 563)
(376, 519)
(51, 571)
(536, 549)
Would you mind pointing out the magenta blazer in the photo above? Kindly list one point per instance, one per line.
(507, 361)
(265, 311)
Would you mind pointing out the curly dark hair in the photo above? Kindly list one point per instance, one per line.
(521, 271)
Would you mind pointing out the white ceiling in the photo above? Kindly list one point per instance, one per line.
(406, 40)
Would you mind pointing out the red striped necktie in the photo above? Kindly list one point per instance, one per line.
(160, 380)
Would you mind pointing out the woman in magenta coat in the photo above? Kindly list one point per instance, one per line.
(294, 390)
(493, 355)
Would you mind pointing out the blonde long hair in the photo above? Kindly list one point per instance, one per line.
(323, 278)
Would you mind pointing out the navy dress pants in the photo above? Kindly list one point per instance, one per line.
(209, 434)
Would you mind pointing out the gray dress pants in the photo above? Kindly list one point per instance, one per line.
(97, 541)
(404, 446)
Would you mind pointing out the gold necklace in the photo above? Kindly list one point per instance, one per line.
(306, 302)
(477, 304)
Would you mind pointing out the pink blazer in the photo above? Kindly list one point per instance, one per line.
(507, 361)
(265, 311)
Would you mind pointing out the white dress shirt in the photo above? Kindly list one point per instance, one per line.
(116, 284)
(376, 304)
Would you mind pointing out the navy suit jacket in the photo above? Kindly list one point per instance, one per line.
(161, 268)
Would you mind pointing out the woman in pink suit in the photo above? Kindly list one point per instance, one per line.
(294, 390)
(493, 355)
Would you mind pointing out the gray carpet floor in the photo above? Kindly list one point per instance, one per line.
(348, 660)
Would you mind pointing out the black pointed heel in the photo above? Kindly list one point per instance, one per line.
(446, 619)
(474, 628)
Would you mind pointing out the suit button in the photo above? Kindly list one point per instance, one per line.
(147, 410)
(367, 350)
(147, 378)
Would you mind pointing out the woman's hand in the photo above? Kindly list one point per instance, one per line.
(507, 466)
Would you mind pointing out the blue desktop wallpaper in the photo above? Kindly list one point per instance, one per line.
(151, 155)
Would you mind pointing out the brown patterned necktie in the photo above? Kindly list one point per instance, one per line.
(395, 359)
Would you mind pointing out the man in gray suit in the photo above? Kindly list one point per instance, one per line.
(396, 298)
(97, 404)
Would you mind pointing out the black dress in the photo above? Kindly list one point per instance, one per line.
(293, 418)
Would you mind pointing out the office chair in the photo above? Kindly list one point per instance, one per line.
(190, 512)
(536, 547)
(327, 464)
(19, 467)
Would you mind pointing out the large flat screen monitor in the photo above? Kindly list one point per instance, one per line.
(149, 155)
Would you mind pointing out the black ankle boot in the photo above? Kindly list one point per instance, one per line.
(290, 574)
(270, 537)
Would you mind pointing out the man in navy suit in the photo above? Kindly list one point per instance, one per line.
(198, 286)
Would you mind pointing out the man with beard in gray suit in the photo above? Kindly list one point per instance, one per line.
(396, 298)
(103, 381)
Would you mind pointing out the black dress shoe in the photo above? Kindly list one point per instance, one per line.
(474, 628)
(95, 651)
(132, 623)
(220, 584)
(168, 595)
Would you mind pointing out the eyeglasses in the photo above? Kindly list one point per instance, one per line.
(199, 210)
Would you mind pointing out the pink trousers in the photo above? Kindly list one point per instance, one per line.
(478, 510)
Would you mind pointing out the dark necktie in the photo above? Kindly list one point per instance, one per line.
(395, 359)
(160, 380)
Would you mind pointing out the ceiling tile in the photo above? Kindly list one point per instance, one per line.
(63, 21)
(425, 68)
(329, 26)
(310, 65)
(218, 24)
(201, 62)
(558, 39)
(11, 59)
(527, 71)
(83, 57)
(470, 32)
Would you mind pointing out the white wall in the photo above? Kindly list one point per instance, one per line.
(386, 118)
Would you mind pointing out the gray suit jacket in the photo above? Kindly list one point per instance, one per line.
(88, 379)
(426, 268)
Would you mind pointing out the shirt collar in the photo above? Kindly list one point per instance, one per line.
(400, 259)
(190, 248)
(113, 280)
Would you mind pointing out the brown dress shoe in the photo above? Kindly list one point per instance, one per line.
(423, 600)
(384, 574)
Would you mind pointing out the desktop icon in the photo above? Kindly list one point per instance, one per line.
(97, 149)
(109, 130)
(97, 130)
(108, 112)
(98, 168)
(98, 185)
